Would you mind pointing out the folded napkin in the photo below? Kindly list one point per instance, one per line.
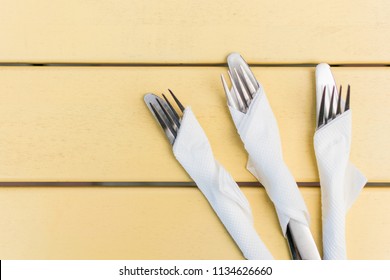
(259, 132)
(193, 151)
(341, 182)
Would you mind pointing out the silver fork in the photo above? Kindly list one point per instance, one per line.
(165, 114)
(243, 88)
(325, 117)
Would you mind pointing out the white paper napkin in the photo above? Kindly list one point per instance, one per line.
(193, 151)
(259, 132)
(341, 182)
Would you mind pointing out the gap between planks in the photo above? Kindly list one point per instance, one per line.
(154, 184)
(75, 64)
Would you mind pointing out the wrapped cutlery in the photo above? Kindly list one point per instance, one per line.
(341, 182)
(192, 150)
(258, 130)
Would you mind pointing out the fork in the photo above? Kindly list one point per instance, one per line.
(165, 113)
(243, 91)
(325, 117)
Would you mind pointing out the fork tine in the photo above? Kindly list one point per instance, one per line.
(248, 81)
(339, 102)
(243, 88)
(162, 122)
(347, 99)
(228, 94)
(168, 117)
(240, 99)
(177, 101)
(330, 114)
(322, 109)
(177, 118)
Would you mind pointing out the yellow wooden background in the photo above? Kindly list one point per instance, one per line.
(72, 77)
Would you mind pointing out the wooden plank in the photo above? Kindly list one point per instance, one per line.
(91, 124)
(163, 223)
(351, 31)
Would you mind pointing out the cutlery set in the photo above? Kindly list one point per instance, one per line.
(256, 125)
(192, 149)
(341, 182)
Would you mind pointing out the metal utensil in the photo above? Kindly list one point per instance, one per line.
(168, 118)
(243, 89)
(333, 112)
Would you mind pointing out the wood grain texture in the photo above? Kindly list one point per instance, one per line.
(91, 124)
(352, 31)
(163, 223)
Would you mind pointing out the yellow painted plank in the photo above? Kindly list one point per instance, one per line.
(155, 31)
(163, 223)
(91, 124)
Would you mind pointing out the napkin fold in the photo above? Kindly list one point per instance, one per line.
(259, 132)
(193, 151)
(341, 182)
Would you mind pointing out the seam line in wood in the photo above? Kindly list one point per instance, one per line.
(75, 64)
(153, 184)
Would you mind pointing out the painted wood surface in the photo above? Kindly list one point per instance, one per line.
(154, 31)
(90, 124)
(62, 124)
(163, 223)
